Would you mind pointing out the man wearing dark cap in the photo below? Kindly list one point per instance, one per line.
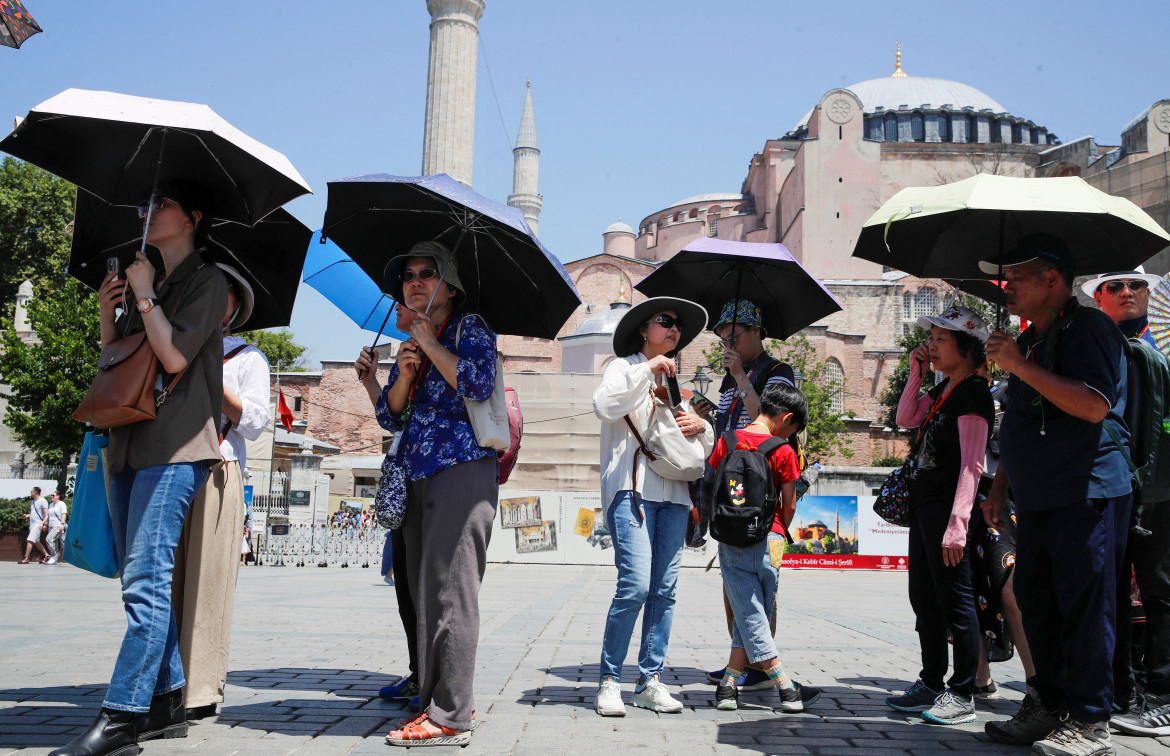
(1059, 438)
(1124, 297)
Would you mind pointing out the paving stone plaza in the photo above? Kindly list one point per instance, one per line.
(312, 646)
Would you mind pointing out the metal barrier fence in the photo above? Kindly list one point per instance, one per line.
(321, 546)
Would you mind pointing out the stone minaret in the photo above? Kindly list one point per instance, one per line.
(526, 157)
(449, 132)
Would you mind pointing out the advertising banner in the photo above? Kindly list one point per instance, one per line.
(843, 533)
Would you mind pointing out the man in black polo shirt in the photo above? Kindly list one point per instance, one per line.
(1072, 491)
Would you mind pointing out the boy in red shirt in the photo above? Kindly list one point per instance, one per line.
(750, 573)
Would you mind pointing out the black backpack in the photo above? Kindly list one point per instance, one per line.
(741, 493)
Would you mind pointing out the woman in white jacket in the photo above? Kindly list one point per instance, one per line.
(646, 513)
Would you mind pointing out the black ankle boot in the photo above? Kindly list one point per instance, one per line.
(167, 717)
(113, 733)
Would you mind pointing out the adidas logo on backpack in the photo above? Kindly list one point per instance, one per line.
(742, 494)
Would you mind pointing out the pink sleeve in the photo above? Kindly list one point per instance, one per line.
(912, 408)
(972, 448)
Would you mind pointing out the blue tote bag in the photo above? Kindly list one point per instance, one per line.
(90, 537)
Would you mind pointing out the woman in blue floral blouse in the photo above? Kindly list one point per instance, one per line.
(451, 481)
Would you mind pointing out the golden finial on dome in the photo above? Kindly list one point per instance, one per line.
(898, 72)
(622, 288)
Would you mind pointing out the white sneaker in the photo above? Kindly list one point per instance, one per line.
(656, 697)
(609, 699)
(51, 560)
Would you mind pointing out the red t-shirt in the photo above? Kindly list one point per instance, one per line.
(783, 461)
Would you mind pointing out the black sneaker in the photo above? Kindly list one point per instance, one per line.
(987, 691)
(796, 698)
(1031, 723)
(1150, 717)
(727, 698)
(917, 698)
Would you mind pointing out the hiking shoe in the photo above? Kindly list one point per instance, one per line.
(754, 679)
(609, 699)
(917, 698)
(1031, 723)
(715, 676)
(727, 698)
(796, 698)
(987, 691)
(951, 709)
(1075, 738)
(655, 697)
(1151, 717)
(406, 687)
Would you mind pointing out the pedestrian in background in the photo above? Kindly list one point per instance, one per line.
(55, 513)
(37, 512)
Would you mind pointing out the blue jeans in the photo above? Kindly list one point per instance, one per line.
(148, 508)
(647, 552)
(750, 581)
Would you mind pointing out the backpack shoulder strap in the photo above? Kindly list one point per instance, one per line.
(771, 445)
(730, 440)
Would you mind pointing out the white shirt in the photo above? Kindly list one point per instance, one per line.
(625, 390)
(36, 513)
(245, 375)
(57, 511)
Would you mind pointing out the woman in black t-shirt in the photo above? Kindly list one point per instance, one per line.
(953, 421)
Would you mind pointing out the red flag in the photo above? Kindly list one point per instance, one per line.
(286, 415)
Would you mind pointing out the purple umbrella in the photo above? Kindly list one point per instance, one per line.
(713, 271)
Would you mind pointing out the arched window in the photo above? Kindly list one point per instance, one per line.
(917, 128)
(923, 302)
(835, 383)
(891, 128)
(944, 131)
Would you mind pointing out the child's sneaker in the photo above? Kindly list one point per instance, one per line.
(609, 699)
(727, 698)
(917, 698)
(951, 709)
(796, 698)
(655, 697)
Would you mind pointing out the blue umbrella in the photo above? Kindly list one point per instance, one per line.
(340, 280)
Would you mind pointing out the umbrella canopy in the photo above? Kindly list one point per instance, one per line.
(1158, 313)
(713, 271)
(516, 284)
(16, 25)
(342, 281)
(269, 255)
(944, 231)
(120, 148)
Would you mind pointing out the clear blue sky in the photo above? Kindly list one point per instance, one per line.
(638, 104)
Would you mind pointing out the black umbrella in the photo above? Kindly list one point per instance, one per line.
(714, 271)
(516, 284)
(269, 255)
(16, 25)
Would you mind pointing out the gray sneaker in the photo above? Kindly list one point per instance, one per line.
(796, 698)
(950, 709)
(1151, 717)
(1074, 738)
(1031, 723)
(917, 698)
(609, 699)
(655, 697)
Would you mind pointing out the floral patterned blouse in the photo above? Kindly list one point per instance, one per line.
(438, 433)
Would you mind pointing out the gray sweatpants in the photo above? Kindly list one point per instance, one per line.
(448, 525)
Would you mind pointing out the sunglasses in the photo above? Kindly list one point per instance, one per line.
(426, 274)
(667, 321)
(154, 206)
(1116, 287)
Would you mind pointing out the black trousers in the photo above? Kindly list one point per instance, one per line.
(1067, 560)
(1149, 559)
(942, 600)
(406, 611)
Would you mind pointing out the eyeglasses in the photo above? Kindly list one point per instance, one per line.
(667, 321)
(1116, 287)
(425, 274)
(154, 206)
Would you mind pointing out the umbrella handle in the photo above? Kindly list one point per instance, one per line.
(385, 320)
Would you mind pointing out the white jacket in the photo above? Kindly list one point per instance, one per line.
(625, 390)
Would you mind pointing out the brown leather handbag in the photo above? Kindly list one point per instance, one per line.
(122, 392)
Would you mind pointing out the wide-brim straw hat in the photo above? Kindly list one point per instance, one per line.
(444, 261)
(627, 337)
(246, 296)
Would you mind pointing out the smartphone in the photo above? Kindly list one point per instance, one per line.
(112, 266)
(675, 394)
(702, 398)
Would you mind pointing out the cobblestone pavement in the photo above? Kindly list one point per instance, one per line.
(311, 647)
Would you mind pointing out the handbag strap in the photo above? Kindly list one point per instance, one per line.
(642, 449)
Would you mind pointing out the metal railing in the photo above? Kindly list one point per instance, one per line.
(321, 546)
(30, 472)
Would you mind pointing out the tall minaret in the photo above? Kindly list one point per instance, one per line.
(526, 162)
(449, 132)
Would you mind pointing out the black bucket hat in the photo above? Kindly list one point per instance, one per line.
(627, 338)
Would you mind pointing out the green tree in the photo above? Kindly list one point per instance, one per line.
(35, 210)
(825, 434)
(48, 380)
(284, 355)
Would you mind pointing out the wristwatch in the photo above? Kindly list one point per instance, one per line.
(146, 304)
(743, 392)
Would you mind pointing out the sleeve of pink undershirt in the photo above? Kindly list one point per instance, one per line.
(912, 408)
(972, 449)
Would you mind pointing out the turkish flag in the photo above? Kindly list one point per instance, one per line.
(286, 415)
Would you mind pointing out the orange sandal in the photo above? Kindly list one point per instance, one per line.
(416, 734)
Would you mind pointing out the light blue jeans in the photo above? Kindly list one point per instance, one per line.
(148, 507)
(647, 552)
(750, 581)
